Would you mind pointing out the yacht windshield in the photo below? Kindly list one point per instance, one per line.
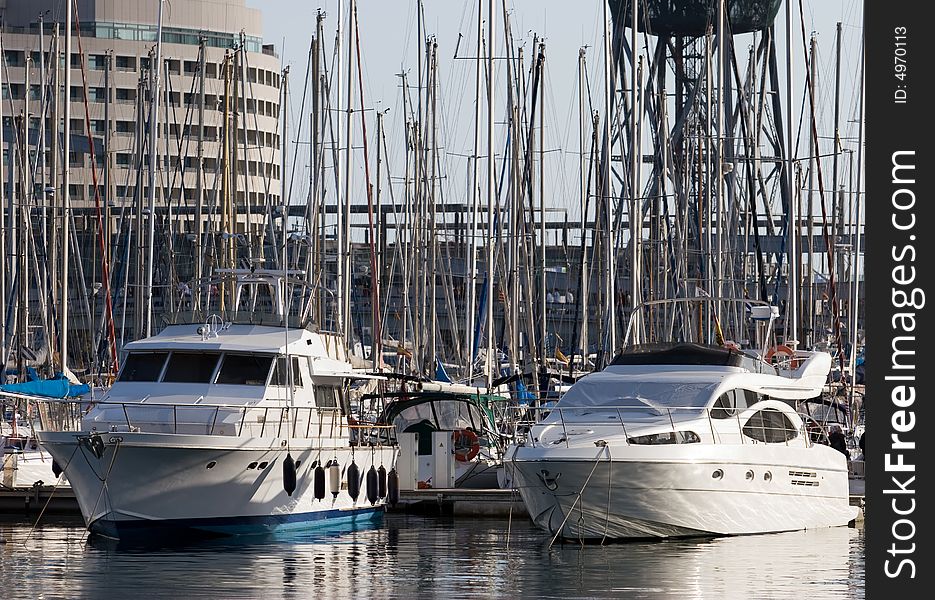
(143, 366)
(245, 369)
(608, 393)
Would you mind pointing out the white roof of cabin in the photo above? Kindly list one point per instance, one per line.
(261, 339)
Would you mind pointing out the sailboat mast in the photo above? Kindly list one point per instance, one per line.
(66, 190)
(542, 288)
(812, 154)
(584, 191)
(346, 234)
(636, 212)
(792, 322)
(340, 274)
(3, 225)
(153, 136)
(490, 196)
(469, 340)
(607, 342)
(199, 196)
(855, 285)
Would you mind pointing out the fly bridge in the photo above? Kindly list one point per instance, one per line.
(255, 282)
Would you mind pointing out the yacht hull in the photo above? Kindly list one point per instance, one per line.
(143, 482)
(681, 490)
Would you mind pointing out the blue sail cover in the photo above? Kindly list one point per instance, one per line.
(440, 373)
(55, 387)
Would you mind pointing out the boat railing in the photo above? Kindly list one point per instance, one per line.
(209, 419)
(552, 425)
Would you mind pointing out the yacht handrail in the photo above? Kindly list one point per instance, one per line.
(58, 415)
(529, 418)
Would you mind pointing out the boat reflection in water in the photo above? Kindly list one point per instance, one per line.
(415, 556)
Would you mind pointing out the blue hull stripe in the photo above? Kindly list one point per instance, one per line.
(227, 526)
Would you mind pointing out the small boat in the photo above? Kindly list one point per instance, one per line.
(684, 439)
(449, 434)
(25, 463)
(224, 427)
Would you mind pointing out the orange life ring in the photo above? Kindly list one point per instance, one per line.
(783, 350)
(466, 444)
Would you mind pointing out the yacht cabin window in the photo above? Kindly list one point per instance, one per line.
(191, 367)
(328, 397)
(143, 366)
(281, 374)
(771, 426)
(732, 402)
(245, 369)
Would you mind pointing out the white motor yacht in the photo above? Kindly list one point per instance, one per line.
(236, 426)
(684, 439)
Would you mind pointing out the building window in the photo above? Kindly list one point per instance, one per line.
(97, 94)
(125, 95)
(126, 63)
(14, 58)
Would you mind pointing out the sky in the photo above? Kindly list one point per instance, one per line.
(388, 41)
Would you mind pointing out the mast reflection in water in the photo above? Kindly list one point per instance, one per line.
(410, 556)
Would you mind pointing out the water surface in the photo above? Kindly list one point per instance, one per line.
(409, 556)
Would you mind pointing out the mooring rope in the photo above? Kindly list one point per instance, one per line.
(113, 459)
(597, 461)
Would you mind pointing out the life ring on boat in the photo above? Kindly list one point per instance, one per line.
(466, 444)
(782, 350)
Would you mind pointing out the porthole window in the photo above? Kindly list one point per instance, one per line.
(252, 465)
(262, 465)
(211, 464)
(767, 476)
(749, 475)
(718, 473)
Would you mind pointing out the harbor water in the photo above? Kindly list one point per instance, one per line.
(410, 556)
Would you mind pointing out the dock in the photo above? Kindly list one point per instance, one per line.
(461, 502)
(34, 499)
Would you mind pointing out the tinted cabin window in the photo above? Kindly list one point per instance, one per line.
(281, 375)
(326, 397)
(731, 402)
(770, 426)
(245, 369)
(143, 366)
(191, 367)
